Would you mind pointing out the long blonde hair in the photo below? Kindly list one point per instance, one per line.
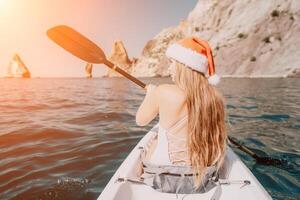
(206, 124)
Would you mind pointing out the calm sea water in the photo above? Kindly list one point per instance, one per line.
(64, 138)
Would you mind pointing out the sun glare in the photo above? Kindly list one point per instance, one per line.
(3, 4)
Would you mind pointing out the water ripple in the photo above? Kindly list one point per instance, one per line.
(64, 138)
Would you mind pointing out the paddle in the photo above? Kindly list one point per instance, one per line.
(260, 159)
(83, 48)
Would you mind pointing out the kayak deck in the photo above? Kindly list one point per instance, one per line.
(233, 170)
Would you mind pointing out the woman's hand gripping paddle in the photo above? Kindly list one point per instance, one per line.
(81, 47)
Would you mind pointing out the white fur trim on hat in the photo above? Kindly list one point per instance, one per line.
(214, 79)
(187, 56)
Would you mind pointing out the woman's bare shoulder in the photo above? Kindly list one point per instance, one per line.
(166, 88)
(169, 90)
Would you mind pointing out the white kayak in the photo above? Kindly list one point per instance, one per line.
(234, 173)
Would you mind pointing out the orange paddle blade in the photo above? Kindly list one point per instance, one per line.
(76, 44)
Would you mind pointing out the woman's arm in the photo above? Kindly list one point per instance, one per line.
(149, 107)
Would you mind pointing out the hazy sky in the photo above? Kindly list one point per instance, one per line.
(23, 26)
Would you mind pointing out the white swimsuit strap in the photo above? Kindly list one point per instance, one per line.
(177, 124)
(170, 135)
(183, 161)
(178, 139)
(178, 151)
(175, 136)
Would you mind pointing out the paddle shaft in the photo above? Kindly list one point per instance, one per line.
(122, 72)
(243, 148)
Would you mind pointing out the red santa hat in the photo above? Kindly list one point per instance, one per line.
(196, 54)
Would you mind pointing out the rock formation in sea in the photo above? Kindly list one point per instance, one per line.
(89, 70)
(120, 58)
(249, 38)
(17, 69)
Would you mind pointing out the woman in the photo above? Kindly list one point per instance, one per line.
(191, 111)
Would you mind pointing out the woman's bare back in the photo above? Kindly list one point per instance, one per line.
(172, 105)
(173, 120)
(168, 101)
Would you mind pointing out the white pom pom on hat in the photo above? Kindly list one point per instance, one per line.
(214, 79)
(196, 54)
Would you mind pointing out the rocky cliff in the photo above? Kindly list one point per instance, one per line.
(120, 58)
(248, 38)
(152, 61)
(17, 68)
